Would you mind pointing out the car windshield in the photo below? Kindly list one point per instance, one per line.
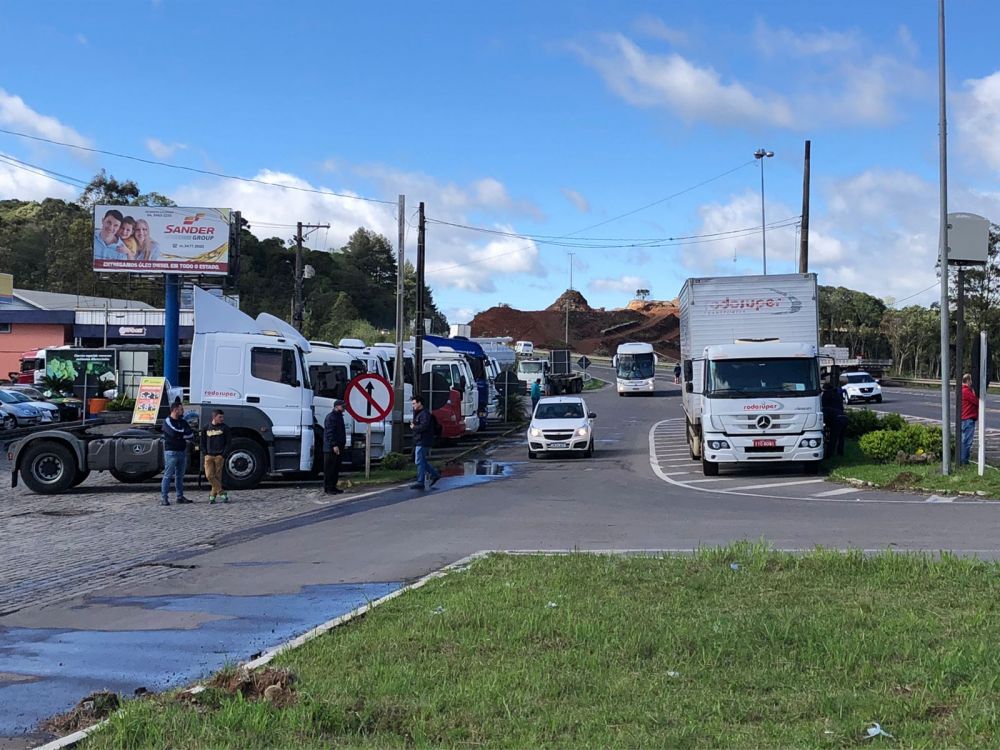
(7, 398)
(19, 398)
(30, 393)
(635, 366)
(864, 378)
(569, 410)
(752, 378)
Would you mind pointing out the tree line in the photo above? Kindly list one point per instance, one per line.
(48, 245)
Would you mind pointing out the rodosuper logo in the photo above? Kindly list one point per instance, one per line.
(762, 406)
(188, 227)
(777, 303)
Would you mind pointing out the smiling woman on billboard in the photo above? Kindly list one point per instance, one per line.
(161, 239)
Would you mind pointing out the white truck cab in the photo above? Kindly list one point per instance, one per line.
(529, 370)
(454, 368)
(330, 370)
(256, 372)
(524, 348)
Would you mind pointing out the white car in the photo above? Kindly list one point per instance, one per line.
(48, 412)
(860, 386)
(14, 413)
(561, 424)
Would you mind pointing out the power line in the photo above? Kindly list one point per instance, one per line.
(42, 171)
(917, 294)
(196, 170)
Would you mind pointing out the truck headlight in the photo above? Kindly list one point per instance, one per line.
(716, 445)
(535, 432)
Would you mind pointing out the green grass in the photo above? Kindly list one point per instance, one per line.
(594, 384)
(586, 651)
(922, 477)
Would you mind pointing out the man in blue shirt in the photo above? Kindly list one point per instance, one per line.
(107, 246)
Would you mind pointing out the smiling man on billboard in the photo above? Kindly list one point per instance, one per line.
(107, 245)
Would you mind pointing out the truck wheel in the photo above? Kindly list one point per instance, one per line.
(8, 423)
(709, 468)
(48, 468)
(80, 477)
(245, 465)
(132, 477)
(577, 386)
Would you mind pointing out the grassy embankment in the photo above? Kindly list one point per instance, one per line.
(739, 647)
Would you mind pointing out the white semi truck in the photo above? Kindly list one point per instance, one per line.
(751, 372)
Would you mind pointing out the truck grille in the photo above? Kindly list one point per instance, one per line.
(746, 424)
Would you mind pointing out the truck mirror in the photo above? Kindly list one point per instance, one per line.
(614, 361)
(689, 387)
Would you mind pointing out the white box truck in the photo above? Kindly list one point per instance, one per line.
(751, 373)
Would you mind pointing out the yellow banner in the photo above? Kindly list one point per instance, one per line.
(147, 403)
(6, 289)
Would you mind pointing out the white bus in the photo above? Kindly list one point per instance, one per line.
(635, 368)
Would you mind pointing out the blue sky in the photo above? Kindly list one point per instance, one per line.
(541, 119)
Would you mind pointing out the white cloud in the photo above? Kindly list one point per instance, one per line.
(878, 234)
(624, 284)
(28, 186)
(652, 26)
(694, 92)
(456, 258)
(459, 314)
(579, 201)
(162, 150)
(833, 78)
(17, 115)
(978, 119)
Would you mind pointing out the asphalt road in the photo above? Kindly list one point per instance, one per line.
(640, 491)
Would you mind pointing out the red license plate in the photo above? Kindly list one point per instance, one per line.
(763, 443)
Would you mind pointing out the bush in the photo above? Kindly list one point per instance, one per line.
(884, 445)
(861, 422)
(891, 422)
(394, 461)
(121, 403)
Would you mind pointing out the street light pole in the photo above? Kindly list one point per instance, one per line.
(761, 154)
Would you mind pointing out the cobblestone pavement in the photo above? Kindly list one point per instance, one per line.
(55, 546)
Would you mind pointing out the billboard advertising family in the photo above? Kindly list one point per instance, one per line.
(161, 239)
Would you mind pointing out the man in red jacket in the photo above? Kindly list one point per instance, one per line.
(970, 413)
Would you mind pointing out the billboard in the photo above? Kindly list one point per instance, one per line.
(89, 370)
(161, 239)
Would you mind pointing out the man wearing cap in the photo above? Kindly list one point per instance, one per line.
(334, 443)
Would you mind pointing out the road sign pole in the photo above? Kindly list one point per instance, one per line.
(368, 453)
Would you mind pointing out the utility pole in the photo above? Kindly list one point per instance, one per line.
(397, 370)
(959, 363)
(568, 296)
(571, 270)
(804, 239)
(418, 354)
(943, 253)
(297, 311)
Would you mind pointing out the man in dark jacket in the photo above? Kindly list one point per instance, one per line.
(177, 433)
(334, 445)
(423, 439)
(214, 446)
(832, 403)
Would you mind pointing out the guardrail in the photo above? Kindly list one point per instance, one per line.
(927, 383)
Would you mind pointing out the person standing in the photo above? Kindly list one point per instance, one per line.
(423, 439)
(536, 393)
(176, 435)
(677, 373)
(214, 446)
(334, 445)
(832, 404)
(970, 414)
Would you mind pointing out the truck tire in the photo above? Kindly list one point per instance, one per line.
(709, 468)
(48, 468)
(132, 477)
(245, 465)
(8, 422)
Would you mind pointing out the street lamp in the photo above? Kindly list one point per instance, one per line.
(760, 154)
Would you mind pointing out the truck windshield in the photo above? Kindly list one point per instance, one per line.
(635, 366)
(750, 378)
(535, 367)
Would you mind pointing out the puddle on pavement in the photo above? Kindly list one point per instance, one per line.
(468, 473)
(55, 668)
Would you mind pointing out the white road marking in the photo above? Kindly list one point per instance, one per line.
(778, 484)
(714, 479)
(840, 491)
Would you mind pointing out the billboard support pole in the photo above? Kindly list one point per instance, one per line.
(171, 328)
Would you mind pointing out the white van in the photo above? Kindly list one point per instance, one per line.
(524, 348)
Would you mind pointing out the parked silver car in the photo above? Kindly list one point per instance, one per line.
(15, 413)
(49, 412)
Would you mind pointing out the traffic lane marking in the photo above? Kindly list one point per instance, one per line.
(778, 484)
(838, 491)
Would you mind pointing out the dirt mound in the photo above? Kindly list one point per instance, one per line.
(654, 306)
(576, 302)
(270, 684)
(92, 709)
(547, 328)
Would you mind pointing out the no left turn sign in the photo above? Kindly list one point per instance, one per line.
(369, 398)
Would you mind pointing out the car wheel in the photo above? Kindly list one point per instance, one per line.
(709, 468)
(48, 468)
(532, 455)
(878, 399)
(589, 453)
(245, 465)
(9, 423)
